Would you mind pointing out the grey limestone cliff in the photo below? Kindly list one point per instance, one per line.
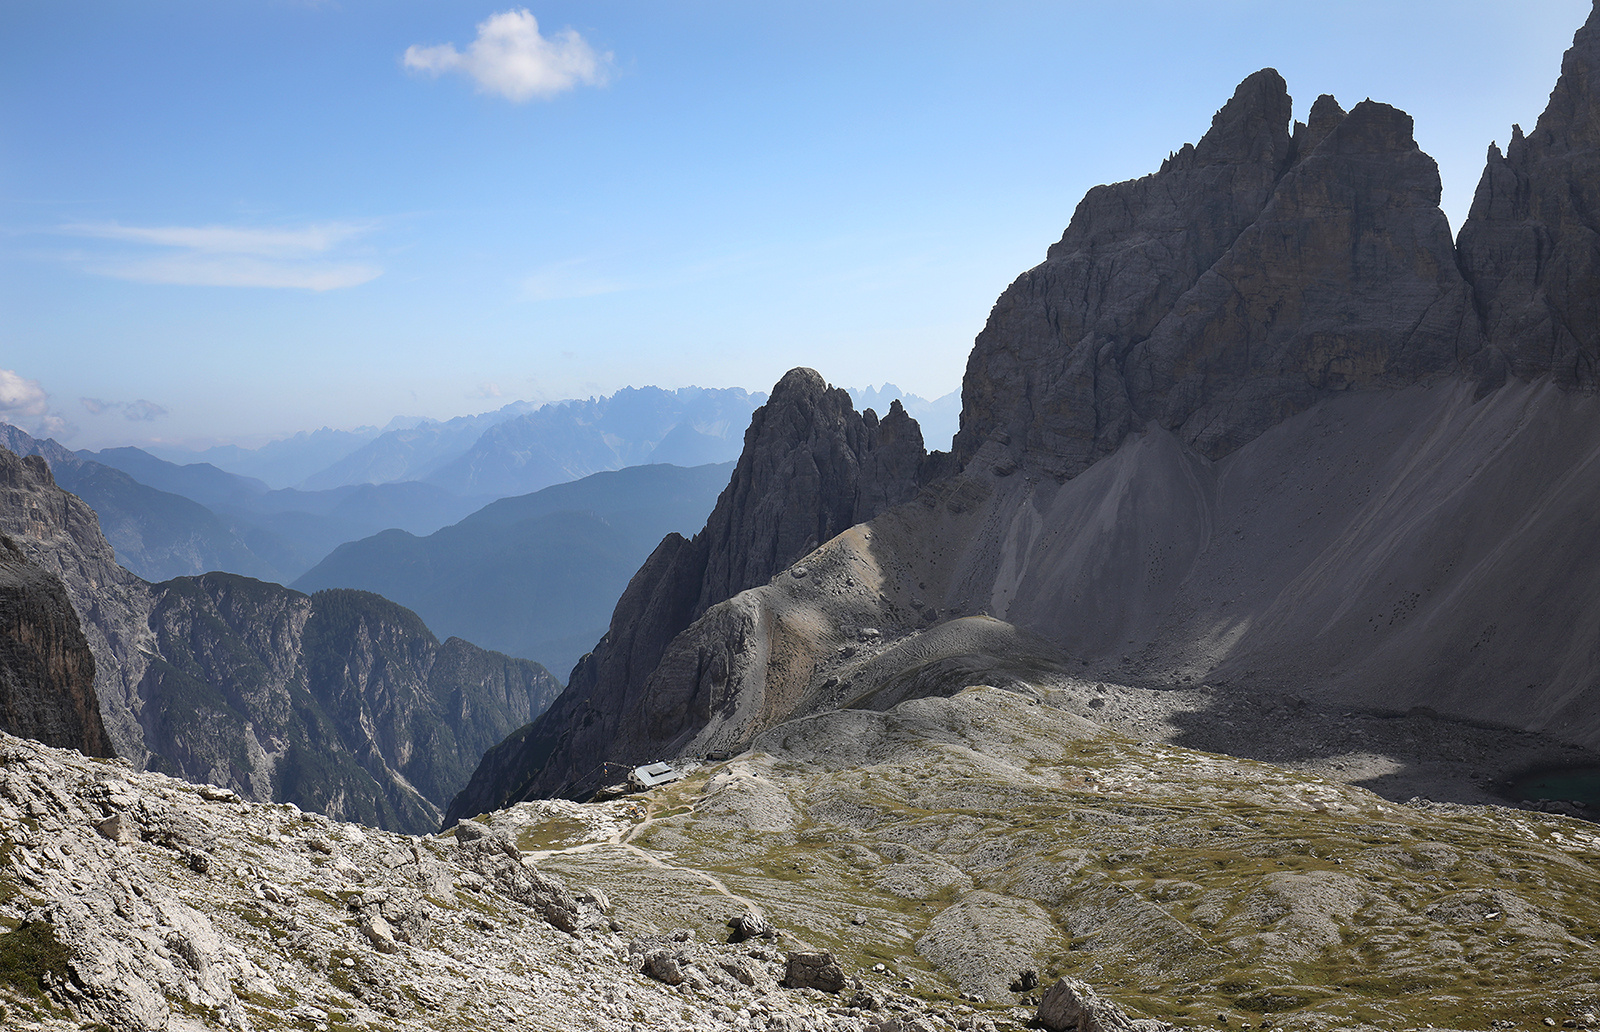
(1257, 273)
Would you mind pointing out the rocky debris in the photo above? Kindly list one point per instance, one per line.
(818, 971)
(119, 828)
(983, 939)
(1072, 1006)
(303, 921)
(501, 864)
(811, 467)
(1178, 883)
(47, 670)
(663, 966)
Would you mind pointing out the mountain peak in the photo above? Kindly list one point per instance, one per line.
(1252, 126)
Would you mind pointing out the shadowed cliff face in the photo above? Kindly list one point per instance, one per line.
(1531, 244)
(46, 668)
(59, 533)
(812, 466)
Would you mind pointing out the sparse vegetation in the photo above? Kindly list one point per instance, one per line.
(31, 958)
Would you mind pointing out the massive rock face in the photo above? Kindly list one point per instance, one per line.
(1531, 245)
(341, 702)
(1255, 274)
(46, 668)
(812, 466)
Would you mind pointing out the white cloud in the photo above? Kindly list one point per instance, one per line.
(24, 404)
(230, 256)
(511, 58)
(235, 271)
(268, 243)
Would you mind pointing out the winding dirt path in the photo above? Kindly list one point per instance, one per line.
(624, 840)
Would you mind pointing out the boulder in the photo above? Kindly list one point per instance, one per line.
(814, 971)
(1071, 1006)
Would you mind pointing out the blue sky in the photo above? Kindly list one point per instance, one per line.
(229, 221)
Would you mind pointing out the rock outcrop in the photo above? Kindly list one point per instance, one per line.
(46, 668)
(136, 903)
(811, 467)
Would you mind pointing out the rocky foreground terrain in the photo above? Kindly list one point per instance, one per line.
(956, 857)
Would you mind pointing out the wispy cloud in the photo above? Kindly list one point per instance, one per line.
(513, 59)
(230, 256)
(140, 411)
(268, 243)
(25, 404)
(563, 280)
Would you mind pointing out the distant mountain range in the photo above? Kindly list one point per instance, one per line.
(166, 520)
(535, 575)
(168, 515)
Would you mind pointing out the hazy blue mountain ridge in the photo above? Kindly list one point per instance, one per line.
(535, 575)
(571, 439)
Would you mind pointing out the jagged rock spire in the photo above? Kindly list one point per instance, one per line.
(812, 466)
(1531, 244)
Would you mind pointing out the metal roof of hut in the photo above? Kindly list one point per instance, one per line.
(652, 774)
